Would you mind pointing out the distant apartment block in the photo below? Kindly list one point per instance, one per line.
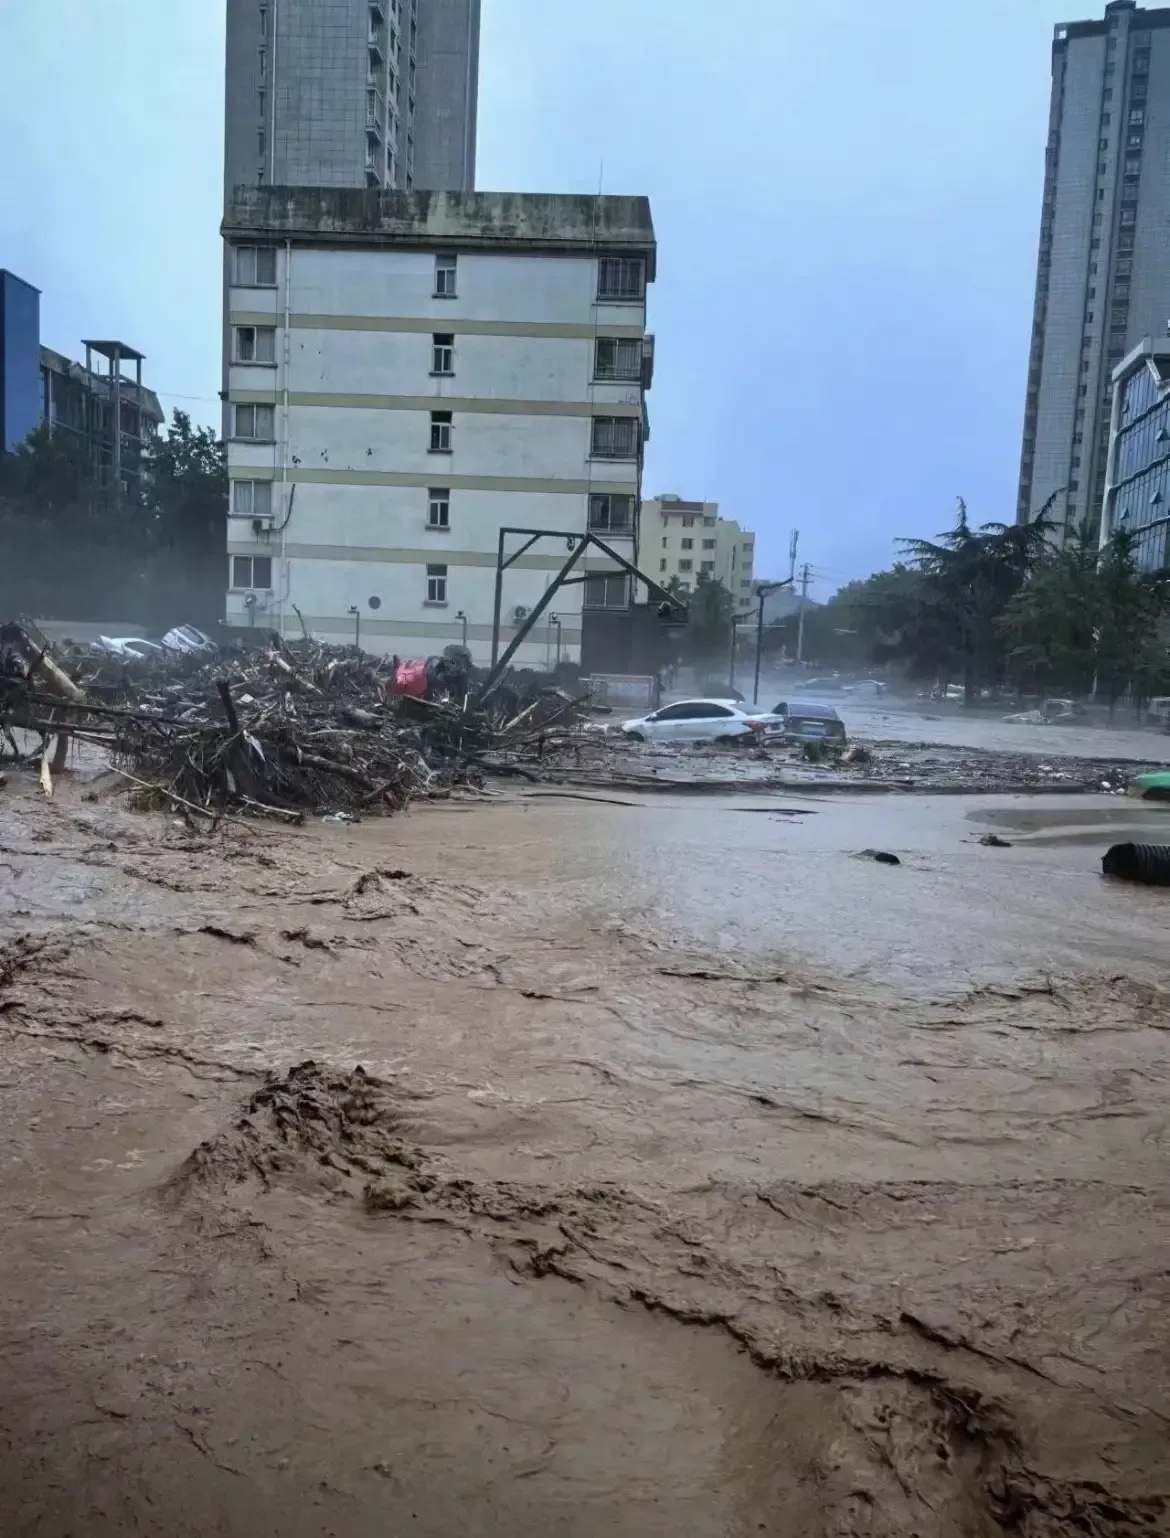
(1103, 276)
(87, 399)
(351, 93)
(39, 386)
(681, 541)
(407, 374)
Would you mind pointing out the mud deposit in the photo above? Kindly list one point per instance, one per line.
(550, 1167)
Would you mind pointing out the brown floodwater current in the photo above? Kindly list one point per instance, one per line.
(556, 1166)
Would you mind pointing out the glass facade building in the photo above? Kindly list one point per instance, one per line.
(1138, 487)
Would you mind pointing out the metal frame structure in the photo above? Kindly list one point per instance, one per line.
(578, 544)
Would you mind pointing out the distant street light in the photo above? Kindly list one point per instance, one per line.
(762, 591)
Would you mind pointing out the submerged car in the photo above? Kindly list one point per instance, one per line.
(802, 721)
(694, 721)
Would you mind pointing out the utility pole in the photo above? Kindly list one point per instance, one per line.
(793, 546)
(800, 618)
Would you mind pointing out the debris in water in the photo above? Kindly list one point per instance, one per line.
(993, 841)
(882, 856)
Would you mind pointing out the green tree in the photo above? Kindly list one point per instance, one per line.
(1088, 622)
(971, 576)
(707, 636)
(185, 485)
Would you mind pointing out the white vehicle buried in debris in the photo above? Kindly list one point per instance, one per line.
(694, 721)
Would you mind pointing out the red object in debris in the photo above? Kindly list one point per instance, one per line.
(410, 677)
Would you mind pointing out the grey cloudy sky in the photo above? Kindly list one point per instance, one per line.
(846, 196)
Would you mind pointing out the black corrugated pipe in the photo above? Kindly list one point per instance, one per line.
(1147, 863)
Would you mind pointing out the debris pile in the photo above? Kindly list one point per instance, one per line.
(292, 728)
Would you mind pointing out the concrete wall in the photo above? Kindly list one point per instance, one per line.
(21, 394)
(352, 392)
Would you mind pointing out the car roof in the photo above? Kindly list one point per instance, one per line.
(708, 699)
(812, 708)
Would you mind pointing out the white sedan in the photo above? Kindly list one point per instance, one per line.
(694, 721)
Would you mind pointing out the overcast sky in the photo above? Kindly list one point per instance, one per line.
(846, 197)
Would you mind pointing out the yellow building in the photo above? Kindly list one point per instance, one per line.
(687, 540)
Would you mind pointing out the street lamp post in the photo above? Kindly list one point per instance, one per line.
(554, 619)
(762, 591)
(357, 626)
(460, 615)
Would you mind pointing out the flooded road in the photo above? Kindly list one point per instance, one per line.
(700, 1175)
(902, 722)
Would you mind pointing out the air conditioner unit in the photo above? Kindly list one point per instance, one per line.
(520, 612)
(263, 525)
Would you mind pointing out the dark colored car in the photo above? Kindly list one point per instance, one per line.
(808, 721)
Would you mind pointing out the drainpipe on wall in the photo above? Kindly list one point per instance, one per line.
(285, 588)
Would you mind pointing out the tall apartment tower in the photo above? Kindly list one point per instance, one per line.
(1103, 277)
(351, 93)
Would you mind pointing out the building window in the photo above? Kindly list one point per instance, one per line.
(686, 565)
(618, 358)
(256, 266)
(440, 432)
(1137, 116)
(257, 423)
(708, 544)
(252, 571)
(442, 353)
(606, 591)
(621, 277)
(252, 499)
(445, 270)
(436, 584)
(707, 566)
(612, 514)
(614, 438)
(687, 544)
(662, 564)
(255, 344)
(438, 508)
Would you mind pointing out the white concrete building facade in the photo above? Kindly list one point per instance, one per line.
(683, 541)
(408, 374)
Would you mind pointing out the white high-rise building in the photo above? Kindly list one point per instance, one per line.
(1103, 280)
(410, 373)
(351, 93)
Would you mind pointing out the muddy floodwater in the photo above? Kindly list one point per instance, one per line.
(552, 1166)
